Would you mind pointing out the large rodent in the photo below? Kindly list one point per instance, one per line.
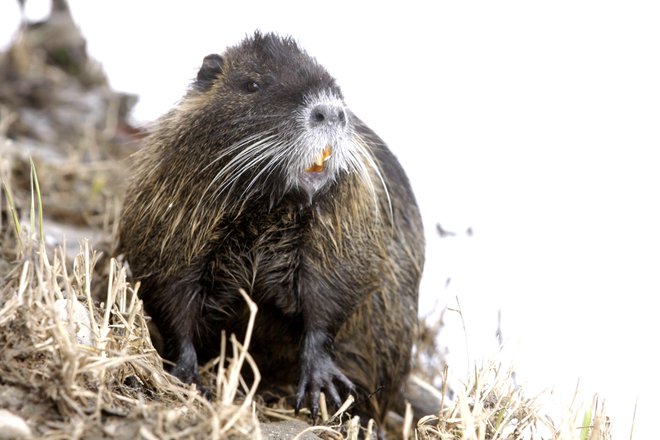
(262, 179)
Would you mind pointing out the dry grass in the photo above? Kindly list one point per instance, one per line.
(490, 406)
(97, 374)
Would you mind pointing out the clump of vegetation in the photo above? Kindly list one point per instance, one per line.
(491, 406)
(74, 366)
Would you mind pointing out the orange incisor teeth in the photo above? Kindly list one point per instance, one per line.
(319, 163)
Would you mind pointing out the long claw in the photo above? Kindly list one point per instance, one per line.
(334, 395)
(315, 396)
(300, 395)
(346, 382)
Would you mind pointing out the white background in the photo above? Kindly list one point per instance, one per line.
(537, 124)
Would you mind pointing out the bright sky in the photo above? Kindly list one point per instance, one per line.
(537, 124)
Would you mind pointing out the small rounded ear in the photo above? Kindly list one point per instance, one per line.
(211, 68)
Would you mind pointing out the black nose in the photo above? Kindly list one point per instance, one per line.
(327, 114)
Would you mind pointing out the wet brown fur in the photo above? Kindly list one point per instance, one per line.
(348, 262)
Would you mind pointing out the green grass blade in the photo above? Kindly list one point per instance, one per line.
(12, 209)
(32, 225)
(35, 181)
(586, 424)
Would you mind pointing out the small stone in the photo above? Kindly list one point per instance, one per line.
(12, 426)
(80, 319)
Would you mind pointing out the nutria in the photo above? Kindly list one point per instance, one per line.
(262, 179)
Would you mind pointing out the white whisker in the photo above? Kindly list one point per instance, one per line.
(268, 167)
(251, 154)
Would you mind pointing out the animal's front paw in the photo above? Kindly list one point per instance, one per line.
(189, 375)
(187, 371)
(319, 373)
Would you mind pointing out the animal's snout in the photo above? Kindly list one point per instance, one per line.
(327, 115)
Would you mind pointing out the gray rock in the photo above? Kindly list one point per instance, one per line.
(286, 430)
(12, 426)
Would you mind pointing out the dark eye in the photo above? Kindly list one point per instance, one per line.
(251, 87)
